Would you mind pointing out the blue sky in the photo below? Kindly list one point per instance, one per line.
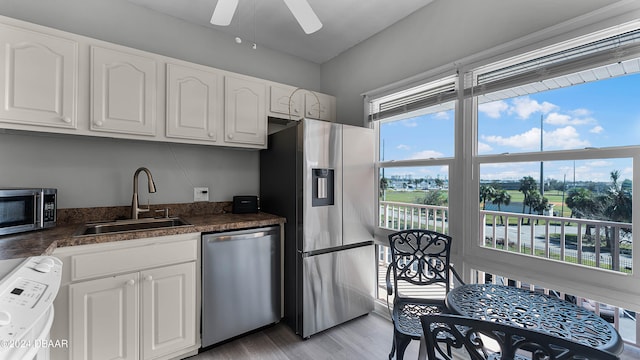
(596, 114)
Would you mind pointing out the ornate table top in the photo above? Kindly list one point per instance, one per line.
(532, 310)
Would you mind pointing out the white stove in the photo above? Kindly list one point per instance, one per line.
(27, 290)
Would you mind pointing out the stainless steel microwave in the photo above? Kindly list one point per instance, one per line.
(27, 209)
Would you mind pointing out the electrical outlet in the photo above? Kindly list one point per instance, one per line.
(200, 194)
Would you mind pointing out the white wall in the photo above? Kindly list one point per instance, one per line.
(439, 34)
(92, 171)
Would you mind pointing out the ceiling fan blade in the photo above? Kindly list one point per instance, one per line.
(223, 13)
(303, 12)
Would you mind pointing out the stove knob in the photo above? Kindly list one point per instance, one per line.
(42, 267)
(48, 261)
(5, 318)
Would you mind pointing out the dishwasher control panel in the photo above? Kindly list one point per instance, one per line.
(27, 293)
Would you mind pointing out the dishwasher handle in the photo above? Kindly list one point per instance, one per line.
(242, 235)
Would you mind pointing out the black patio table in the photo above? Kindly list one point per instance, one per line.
(536, 311)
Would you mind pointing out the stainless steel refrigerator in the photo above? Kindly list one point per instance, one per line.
(321, 176)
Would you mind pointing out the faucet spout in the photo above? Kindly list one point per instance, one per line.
(135, 207)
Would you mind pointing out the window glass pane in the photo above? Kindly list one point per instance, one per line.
(582, 215)
(414, 198)
(594, 114)
(425, 136)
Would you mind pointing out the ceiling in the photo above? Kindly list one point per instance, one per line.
(269, 23)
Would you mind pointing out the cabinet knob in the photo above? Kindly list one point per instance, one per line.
(66, 119)
(230, 136)
(98, 123)
(130, 282)
(148, 278)
(296, 111)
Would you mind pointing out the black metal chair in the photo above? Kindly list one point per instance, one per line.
(418, 257)
(479, 340)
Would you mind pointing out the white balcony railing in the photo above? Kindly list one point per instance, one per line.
(602, 244)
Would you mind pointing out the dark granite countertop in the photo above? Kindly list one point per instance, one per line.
(44, 242)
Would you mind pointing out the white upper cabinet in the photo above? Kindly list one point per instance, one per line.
(123, 92)
(194, 102)
(319, 106)
(287, 101)
(245, 111)
(38, 78)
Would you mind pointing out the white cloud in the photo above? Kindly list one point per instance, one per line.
(580, 112)
(555, 118)
(596, 129)
(409, 123)
(403, 147)
(527, 140)
(484, 148)
(425, 154)
(525, 106)
(600, 163)
(493, 109)
(442, 115)
(562, 138)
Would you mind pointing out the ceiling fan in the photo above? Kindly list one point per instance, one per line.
(301, 10)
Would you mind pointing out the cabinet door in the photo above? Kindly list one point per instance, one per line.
(194, 103)
(287, 101)
(104, 318)
(245, 112)
(123, 92)
(168, 309)
(319, 106)
(39, 75)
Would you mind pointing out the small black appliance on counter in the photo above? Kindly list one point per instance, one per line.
(245, 204)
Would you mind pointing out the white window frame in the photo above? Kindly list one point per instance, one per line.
(601, 285)
(611, 287)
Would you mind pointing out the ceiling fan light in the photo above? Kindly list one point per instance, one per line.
(304, 14)
(223, 13)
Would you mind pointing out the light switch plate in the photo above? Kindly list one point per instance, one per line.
(200, 194)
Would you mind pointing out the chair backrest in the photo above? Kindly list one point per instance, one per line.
(420, 257)
(480, 340)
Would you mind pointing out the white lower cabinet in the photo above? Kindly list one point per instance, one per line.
(136, 299)
(168, 309)
(105, 313)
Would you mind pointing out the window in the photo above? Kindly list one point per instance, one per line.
(415, 130)
(555, 153)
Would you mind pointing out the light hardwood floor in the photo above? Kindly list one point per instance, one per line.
(367, 337)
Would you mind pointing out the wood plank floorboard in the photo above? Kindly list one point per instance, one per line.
(367, 337)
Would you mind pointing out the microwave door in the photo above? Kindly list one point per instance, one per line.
(19, 211)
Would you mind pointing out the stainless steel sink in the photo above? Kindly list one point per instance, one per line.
(129, 225)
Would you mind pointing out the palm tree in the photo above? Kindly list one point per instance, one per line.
(500, 197)
(581, 202)
(527, 185)
(486, 194)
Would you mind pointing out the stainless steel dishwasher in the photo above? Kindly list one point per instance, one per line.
(240, 282)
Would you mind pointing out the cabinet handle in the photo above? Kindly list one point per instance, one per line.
(296, 111)
(130, 282)
(66, 119)
(148, 278)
